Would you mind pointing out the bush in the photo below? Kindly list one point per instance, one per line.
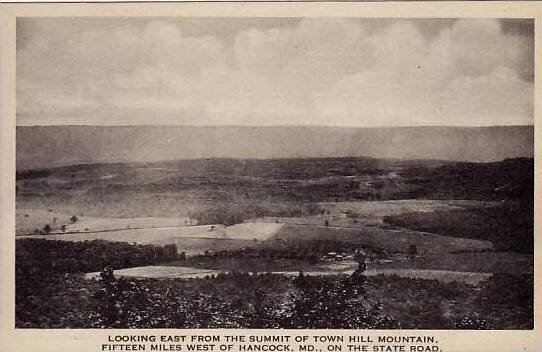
(472, 322)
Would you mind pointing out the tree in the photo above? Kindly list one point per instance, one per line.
(63, 228)
(73, 219)
(359, 256)
(326, 222)
(108, 296)
(325, 303)
(170, 252)
(300, 282)
(412, 250)
(47, 229)
(259, 315)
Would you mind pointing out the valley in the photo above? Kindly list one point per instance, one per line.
(445, 223)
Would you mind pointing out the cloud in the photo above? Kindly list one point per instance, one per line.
(486, 99)
(346, 72)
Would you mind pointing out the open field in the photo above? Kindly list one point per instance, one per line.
(358, 224)
(197, 238)
(482, 262)
(29, 220)
(441, 240)
(377, 238)
(509, 226)
(377, 210)
(188, 239)
(156, 271)
(198, 245)
(179, 272)
(89, 223)
(278, 232)
(145, 235)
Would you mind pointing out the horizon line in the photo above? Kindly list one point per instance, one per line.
(290, 158)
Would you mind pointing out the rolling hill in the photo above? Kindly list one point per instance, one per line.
(52, 146)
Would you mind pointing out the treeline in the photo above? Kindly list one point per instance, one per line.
(510, 226)
(346, 180)
(39, 255)
(254, 260)
(243, 209)
(510, 179)
(45, 279)
(278, 256)
(293, 249)
(239, 189)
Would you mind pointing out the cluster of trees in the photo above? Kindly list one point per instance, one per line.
(507, 179)
(247, 301)
(46, 229)
(228, 301)
(508, 300)
(243, 209)
(335, 303)
(273, 257)
(354, 179)
(509, 226)
(503, 302)
(310, 253)
(41, 255)
(48, 275)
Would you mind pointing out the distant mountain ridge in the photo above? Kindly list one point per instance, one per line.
(52, 146)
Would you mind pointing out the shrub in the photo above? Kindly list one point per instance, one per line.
(472, 322)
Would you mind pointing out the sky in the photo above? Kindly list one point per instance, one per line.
(347, 72)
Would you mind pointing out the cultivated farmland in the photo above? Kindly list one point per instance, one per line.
(218, 220)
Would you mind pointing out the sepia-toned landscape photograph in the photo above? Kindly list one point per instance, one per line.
(274, 172)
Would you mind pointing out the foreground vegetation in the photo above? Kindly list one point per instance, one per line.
(54, 294)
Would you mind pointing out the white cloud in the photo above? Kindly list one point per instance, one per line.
(320, 71)
(495, 98)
